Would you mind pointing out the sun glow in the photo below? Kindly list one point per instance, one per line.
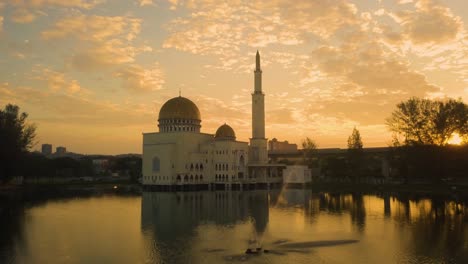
(455, 139)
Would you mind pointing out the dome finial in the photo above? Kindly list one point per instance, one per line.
(180, 92)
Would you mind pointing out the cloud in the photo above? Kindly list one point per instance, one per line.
(23, 16)
(58, 82)
(146, 2)
(238, 118)
(430, 23)
(105, 41)
(135, 77)
(94, 28)
(52, 106)
(360, 79)
(85, 4)
(225, 30)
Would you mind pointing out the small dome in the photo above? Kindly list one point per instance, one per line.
(181, 108)
(225, 132)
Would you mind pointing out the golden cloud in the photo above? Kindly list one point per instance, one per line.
(58, 82)
(430, 23)
(23, 16)
(105, 41)
(86, 4)
(135, 77)
(227, 28)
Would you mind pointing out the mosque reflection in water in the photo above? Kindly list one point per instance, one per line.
(186, 227)
(171, 221)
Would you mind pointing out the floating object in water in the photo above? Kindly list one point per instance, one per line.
(254, 251)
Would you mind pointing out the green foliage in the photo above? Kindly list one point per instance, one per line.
(16, 139)
(428, 122)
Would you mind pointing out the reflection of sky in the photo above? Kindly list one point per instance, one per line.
(211, 227)
(83, 68)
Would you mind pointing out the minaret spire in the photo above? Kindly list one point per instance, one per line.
(258, 74)
(257, 62)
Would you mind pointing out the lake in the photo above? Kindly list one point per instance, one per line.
(287, 226)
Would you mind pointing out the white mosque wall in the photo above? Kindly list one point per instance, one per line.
(230, 160)
(175, 152)
(192, 158)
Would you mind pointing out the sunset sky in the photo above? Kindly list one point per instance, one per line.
(93, 74)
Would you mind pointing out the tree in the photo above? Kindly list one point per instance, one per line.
(355, 154)
(309, 147)
(355, 141)
(428, 122)
(16, 139)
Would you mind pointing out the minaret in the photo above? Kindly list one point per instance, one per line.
(258, 142)
(258, 103)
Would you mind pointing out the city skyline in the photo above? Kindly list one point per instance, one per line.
(93, 74)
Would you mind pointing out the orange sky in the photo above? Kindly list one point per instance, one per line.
(93, 74)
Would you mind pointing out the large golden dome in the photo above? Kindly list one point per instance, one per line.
(225, 132)
(179, 108)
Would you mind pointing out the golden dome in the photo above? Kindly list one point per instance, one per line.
(179, 107)
(225, 132)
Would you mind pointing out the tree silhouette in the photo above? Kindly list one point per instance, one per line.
(355, 154)
(355, 141)
(16, 139)
(309, 148)
(429, 122)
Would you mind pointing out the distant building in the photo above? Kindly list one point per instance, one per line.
(281, 146)
(46, 149)
(100, 165)
(60, 150)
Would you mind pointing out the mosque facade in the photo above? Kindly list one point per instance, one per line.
(180, 156)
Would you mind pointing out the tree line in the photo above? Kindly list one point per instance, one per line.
(17, 137)
(420, 148)
(422, 129)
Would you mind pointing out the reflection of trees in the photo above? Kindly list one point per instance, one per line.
(358, 212)
(169, 220)
(12, 217)
(439, 228)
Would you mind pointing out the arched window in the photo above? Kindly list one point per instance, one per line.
(178, 178)
(156, 164)
(196, 177)
(191, 177)
(201, 177)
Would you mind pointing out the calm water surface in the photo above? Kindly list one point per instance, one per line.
(295, 226)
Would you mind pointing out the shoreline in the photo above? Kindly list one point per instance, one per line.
(136, 188)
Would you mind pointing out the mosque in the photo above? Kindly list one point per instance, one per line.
(181, 157)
